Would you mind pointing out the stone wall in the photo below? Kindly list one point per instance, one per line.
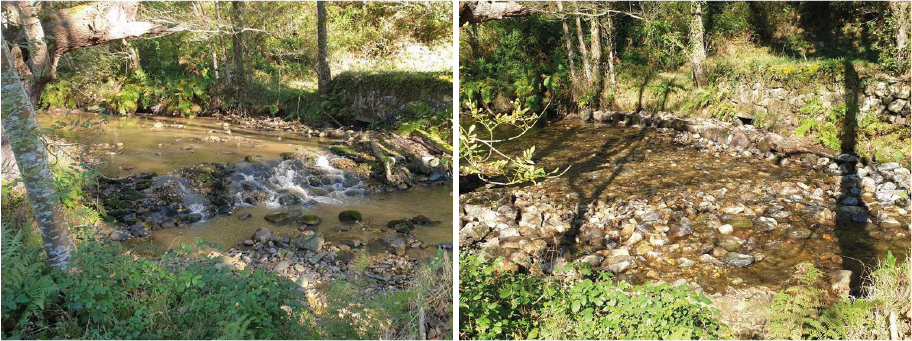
(887, 98)
(385, 98)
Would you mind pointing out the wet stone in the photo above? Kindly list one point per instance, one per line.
(738, 259)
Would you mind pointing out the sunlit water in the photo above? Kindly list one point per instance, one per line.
(164, 144)
(618, 164)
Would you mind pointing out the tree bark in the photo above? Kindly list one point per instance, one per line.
(28, 64)
(596, 62)
(901, 13)
(587, 71)
(31, 157)
(324, 76)
(481, 11)
(68, 29)
(611, 35)
(237, 50)
(560, 8)
(698, 53)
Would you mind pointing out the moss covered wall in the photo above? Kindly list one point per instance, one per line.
(387, 98)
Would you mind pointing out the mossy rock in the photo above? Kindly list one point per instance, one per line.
(350, 216)
(401, 225)
(277, 217)
(422, 220)
(309, 220)
(345, 150)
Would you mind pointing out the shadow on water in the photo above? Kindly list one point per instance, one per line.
(856, 245)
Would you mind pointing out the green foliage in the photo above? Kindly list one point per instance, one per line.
(504, 305)
(794, 312)
(121, 297)
(826, 125)
(799, 312)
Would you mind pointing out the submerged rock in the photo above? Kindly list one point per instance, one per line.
(262, 235)
(277, 217)
(309, 219)
(738, 259)
(350, 216)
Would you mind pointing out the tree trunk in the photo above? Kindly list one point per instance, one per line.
(28, 64)
(324, 76)
(229, 81)
(237, 50)
(472, 12)
(86, 25)
(596, 62)
(31, 157)
(698, 53)
(611, 36)
(560, 8)
(587, 71)
(134, 56)
(901, 13)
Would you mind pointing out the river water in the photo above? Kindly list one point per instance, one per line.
(132, 145)
(629, 173)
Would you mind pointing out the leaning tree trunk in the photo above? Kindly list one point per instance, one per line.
(323, 73)
(31, 157)
(29, 63)
(697, 51)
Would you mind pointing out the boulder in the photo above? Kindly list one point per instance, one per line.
(350, 216)
(738, 259)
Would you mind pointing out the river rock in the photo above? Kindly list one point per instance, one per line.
(309, 220)
(118, 236)
(277, 217)
(726, 229)
(738, 259)
(401, 225)
(281, 266)
(840, 281)
(396, 243)
(888, 222)
(349, 216)
(799, 233)
(709, 259)
(619, 264)
(765, 224)
(312, 241)
(262, 235)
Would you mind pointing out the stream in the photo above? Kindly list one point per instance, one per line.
(259, 179)
(653, 207)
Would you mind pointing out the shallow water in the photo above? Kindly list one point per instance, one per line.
(165, 144)
(175, 143)
(630, 165)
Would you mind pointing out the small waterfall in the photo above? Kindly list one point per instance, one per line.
(323, 162)
(294, 182)
(189, 199)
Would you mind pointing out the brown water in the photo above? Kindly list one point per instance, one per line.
(161, 144)
(632, 167)
(164, 144)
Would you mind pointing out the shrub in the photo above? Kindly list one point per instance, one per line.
(503, 305)
(113, 295)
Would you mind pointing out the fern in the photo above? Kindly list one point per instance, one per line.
(795, 309)
(27, 285)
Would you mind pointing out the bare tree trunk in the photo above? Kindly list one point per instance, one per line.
(901, 13)
(198, 6)
(560, 8)
(324, 76)
(134, 56)
(596, 62)
(582, 44)
(698, 53)
(31, 157)
(237, 49)
(611, 35)
(224, 49)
